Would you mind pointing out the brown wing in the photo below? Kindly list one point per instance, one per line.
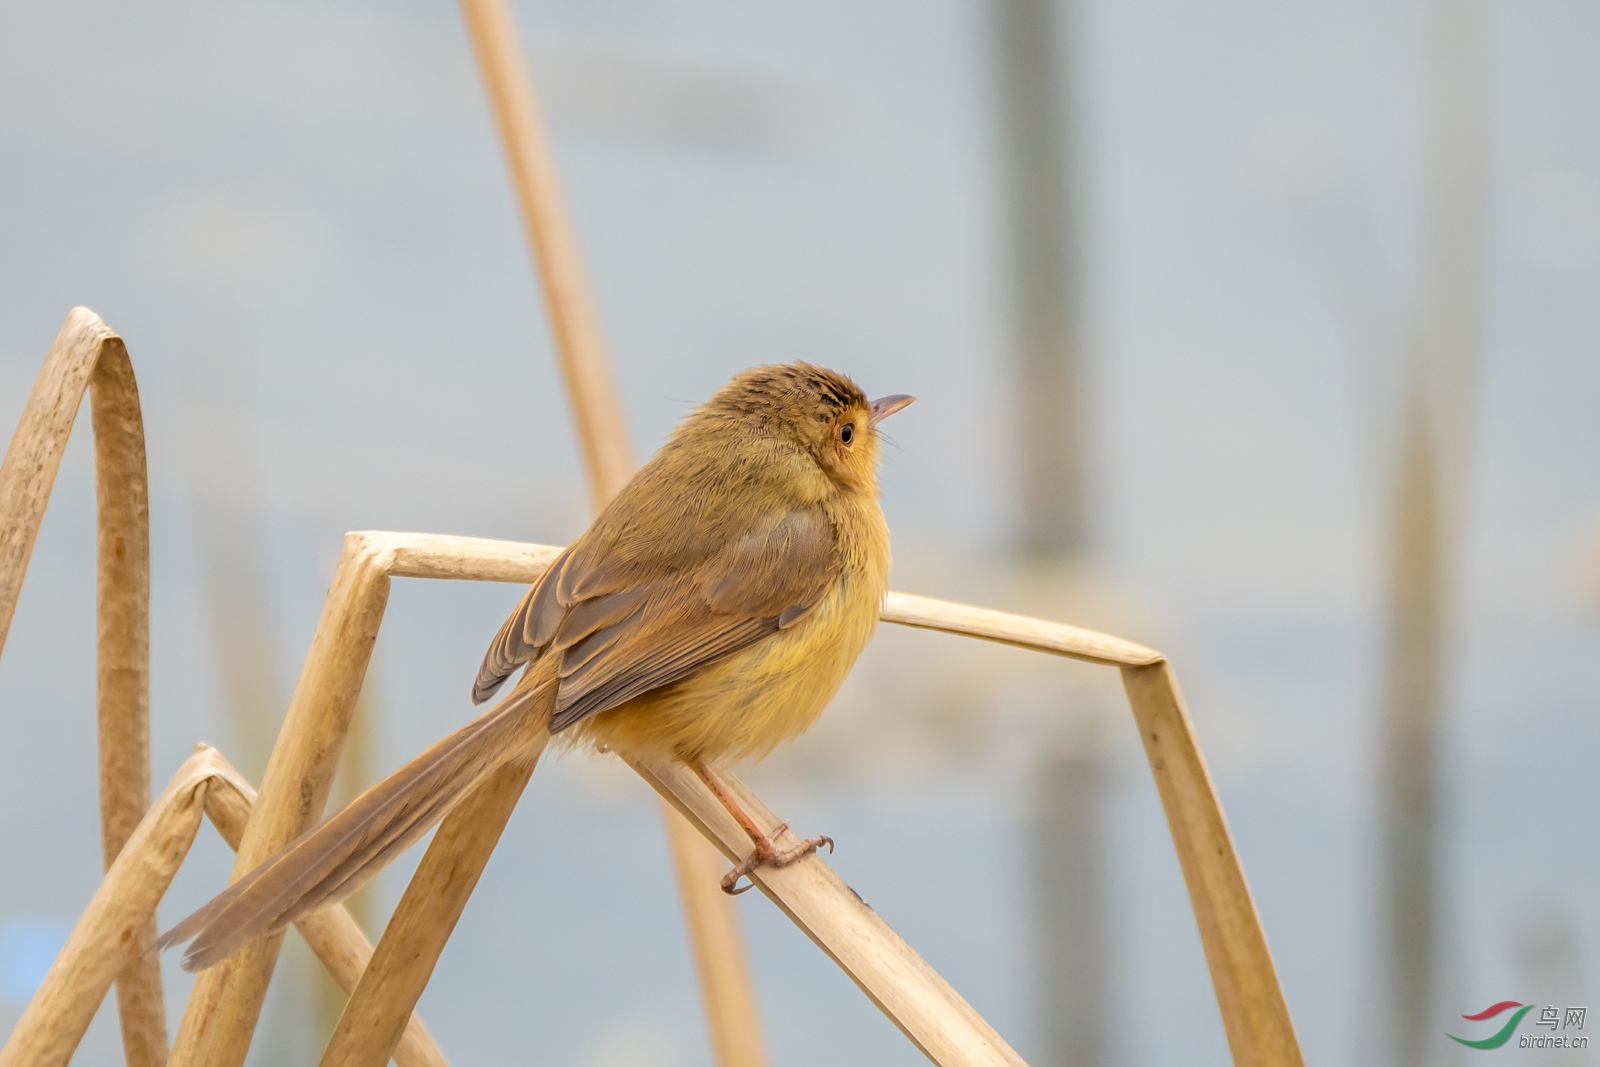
(620, 635)
(539, 613)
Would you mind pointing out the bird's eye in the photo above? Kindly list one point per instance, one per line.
(847, 432)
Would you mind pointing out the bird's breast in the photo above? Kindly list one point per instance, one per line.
(742, 706)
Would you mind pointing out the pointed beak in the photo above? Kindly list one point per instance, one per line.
(885, 406)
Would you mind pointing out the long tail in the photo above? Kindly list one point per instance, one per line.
(336, 858)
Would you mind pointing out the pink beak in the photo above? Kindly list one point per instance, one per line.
(885, 406)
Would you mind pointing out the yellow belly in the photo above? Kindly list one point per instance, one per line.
(744, 705)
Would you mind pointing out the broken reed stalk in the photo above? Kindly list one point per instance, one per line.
(574, 326)
(721, 963)
(723, 969)
(332, 933)
(933, 1015)
(906, 987)
(925, 613)
(86, 354)
(1254, 1013)
(115, 926)
(111, 931)
(122, 663)
(372, 1022)
(226, 1000)
(893, 976)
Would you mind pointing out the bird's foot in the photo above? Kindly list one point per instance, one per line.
(767, 855)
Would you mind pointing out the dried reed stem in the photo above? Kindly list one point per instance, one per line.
(226, 1001)
(331, 932)
(122, 664)
(925, 613)
(602, 432)
(1254, 1013)
(893, 975)
(719, 956)
(900, 982)
(727, 987)
(87, 354)
(423, 921)
(114, 928)
(28, 472)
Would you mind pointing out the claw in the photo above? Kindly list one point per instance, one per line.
(766, 856)
(731, 879)
(800, 851)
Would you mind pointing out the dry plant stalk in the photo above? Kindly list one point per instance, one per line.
(332, 933)
(115, 927)
(727, 988)
(721, 965)
(575, 329)
(111, 930)
(423, 921)
(899, 981)
(225, 1003)
(1254, 1013)
(925, 613)
(88, 355)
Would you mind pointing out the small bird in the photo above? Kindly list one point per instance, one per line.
(709, 613)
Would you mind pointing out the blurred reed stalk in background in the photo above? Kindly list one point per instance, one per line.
(1429, 483)
(1036, 127)
(715, 938)
(1415, 354)
(1067, 790)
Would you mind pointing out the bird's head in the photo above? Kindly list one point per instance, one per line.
(823, 411)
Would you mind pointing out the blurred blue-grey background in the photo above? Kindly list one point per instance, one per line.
(298, 216)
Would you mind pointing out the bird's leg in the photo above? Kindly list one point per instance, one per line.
(766, 854)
